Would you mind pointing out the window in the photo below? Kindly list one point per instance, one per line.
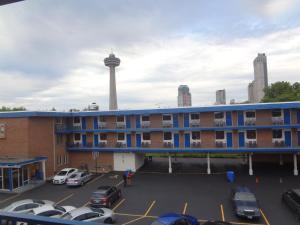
(59, 120)
(195, 116)
(59, 139)
(196, 135)
(167, 117)
(220, 135)
(31, 206)
(2, 130)
(219, 115)
(277, 134)
(251, 134)
(121, 137)
(20, 208)
(120, 119)
(145, 118)
(80, 218)
(167, 136)
(91, 215)
(77, 137)
(102, 119)
(103, 137)
(50, 213)
(276, 113)
(146, 137)
(76, 119)
(250, 114)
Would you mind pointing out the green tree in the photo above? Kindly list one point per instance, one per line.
(282, 91)
(8, 109)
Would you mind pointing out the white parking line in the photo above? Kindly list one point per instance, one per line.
(7, 199)
(64, 199)
(96, 179)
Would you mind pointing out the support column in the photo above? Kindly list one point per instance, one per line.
(280, 160)
(170, 164)
(295, 165)
(10, 179)
(250, 164)
(208, 164)
(44, 169)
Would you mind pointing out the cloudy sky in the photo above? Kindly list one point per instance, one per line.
(52, 51)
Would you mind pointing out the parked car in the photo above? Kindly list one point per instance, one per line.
(63, 175)
(26, 205)
(51, 210)
(245, 203)
(176, 219)
(102, 215)
(291, 198)
(79, 178)
(105, 196)
(217, 223)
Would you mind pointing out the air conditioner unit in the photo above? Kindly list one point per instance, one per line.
(168, 144)
(120, 144)
(220, 144)
(196, 144)
(145, 144)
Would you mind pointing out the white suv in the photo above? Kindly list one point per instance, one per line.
(63, 175)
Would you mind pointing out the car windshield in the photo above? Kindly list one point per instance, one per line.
(59, 208)
(74, 175)
(67, 216)
(242, 196)
(157, 223)
(97, 195)
(8, 208)
(62, 173)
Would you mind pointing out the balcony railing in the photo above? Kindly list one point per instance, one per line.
(102, 144)
(251, 143)
(250, 121)
(101, 125)
(220, 144)
(168, 144)
(219, 122)
(194, 123)
(278, 143)
(277, 120)
(167, 123)
(120, 125)
(146, 144)
(145, 124)
(196, 144)
(121, 144)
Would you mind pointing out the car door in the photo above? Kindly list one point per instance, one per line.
(84, 177)
(93, 216)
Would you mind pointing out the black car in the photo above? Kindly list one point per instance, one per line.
(216, 223)
(292, 199)
(105, 196)
(245, 203)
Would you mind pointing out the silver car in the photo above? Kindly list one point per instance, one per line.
(102, 215)
(54, 211)
(26, 205)
(79, 178)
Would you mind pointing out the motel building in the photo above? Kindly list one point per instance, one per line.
(35, 145)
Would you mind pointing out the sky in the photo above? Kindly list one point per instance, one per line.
(52, 51)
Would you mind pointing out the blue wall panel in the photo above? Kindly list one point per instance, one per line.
(128, 140)
(298, 116)
(240, 118)
(96, 139)
(187, 141)
(288, 138)
(241, 139)
(128, 123)
(228, 119)
(84, 139)
(298, 138)
(83, 123)
(175, 120)
(138, 140)
(95, 122)
(176, 140)
(186, 120)
(229, 139)
(287, 116)
(138, 121)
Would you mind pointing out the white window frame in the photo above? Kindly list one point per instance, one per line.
(197, 140)
(221, 140)
(167, 141)
(192, 121)
(145, 123)
(224, 116)
(59, 120)
(101, 124)
(249, 140)
(121, 124)
(122, 141)
(145, 141)
(280, 117)
(278, 139)
(77, 141)
(102, 141)
(80, 120)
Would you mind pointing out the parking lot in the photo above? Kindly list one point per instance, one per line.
(155, 192)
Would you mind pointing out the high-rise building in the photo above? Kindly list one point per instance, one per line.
(112, 62)
(184, 96)
(221, 97)
(260, 82)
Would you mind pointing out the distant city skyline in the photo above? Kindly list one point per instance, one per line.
(52, 57)
(184, 97)
(221, 97)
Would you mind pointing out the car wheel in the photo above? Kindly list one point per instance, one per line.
(108, 220)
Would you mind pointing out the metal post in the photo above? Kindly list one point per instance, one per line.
(280, 160)
(208, 164)
(170, 164)
(250, 165)
(295, 165)
(44, 169)
(10, 179)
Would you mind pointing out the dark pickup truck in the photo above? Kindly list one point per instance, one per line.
(291, 198)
